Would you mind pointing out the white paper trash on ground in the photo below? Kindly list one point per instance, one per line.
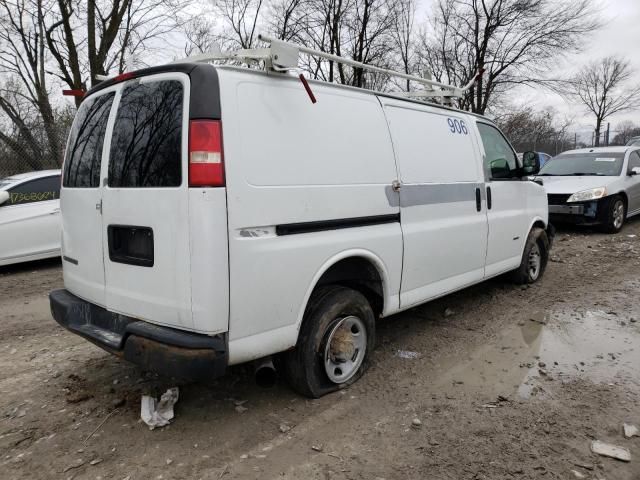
(407, 354)
(630, 430)
(613, 451)
(158, 414)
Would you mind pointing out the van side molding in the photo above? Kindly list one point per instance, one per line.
(336, 224)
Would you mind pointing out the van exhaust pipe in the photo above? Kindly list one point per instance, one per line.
(265, 372)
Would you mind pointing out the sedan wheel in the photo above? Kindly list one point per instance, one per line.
(618, 214)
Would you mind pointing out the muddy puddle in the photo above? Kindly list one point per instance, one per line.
(548, 346)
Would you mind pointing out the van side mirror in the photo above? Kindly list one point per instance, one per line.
(530, 163)
(633, 171)
(4, 196)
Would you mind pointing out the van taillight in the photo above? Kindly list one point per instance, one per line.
(206, 167)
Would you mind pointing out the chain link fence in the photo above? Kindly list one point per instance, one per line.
(554, 145)
(21, 155)
(14, 163)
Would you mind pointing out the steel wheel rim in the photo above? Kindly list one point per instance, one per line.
(345, 349)
(618, 214)
(534, 262)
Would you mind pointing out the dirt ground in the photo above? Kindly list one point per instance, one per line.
(506, 382)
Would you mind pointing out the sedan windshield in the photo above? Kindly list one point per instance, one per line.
(592, 163)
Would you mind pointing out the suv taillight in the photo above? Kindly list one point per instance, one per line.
(206, 167)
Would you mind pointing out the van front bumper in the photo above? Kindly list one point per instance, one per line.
(167, 351)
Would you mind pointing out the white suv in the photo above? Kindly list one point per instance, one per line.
(215, 215)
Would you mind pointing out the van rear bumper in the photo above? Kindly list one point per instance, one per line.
(164, 350)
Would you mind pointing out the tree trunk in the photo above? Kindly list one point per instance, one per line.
(91, 40)
(598, 127)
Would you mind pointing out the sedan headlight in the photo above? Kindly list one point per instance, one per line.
(586, 195)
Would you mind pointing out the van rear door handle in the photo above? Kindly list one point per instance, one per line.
(489, 198)
(478, 199)
(396, 185)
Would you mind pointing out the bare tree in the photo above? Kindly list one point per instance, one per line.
(23, 57)
(241, 19)
(625, 131)
(601, 88)
(357, 29)
(287, 19)
(402, 33)
(46, 43)
(535, 130)
(90, 39)
(369, 32)
(512, 42)
(200, 36)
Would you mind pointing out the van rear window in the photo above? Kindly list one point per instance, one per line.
(147, 136)
(84, 150)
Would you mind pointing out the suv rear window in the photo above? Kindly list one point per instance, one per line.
(84, 151)
(147, 136)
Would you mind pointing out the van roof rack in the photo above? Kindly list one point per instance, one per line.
(281, 57)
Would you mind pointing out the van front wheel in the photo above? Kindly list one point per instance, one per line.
(534, 257)
(335, 340)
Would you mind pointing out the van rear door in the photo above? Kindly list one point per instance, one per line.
(145, 203)
(81, 198)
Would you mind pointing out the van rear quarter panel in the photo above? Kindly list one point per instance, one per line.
(290, 161)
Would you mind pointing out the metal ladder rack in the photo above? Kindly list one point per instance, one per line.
(282, 57)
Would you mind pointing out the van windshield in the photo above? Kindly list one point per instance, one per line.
(584, 164)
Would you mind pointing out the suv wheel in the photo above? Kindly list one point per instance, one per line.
(534, 258)
(335, 340)
(616, 214)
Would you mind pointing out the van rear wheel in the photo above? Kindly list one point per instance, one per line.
(335, 340)
(534, 258)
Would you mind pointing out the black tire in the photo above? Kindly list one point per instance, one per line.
(303, 366)
(536, 241)
(612, 222)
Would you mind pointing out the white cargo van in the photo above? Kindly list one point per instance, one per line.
(214, 215)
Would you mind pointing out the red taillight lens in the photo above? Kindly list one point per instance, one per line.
(206, 167)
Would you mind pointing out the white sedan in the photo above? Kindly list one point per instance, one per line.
(30, 216)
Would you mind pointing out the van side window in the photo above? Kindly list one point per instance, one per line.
(500, 160)
(84, 152)
(147, 136)
(634, 161)
(38, 190)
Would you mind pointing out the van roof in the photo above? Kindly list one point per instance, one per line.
(341, 86)
(199, 69)
(204, 78)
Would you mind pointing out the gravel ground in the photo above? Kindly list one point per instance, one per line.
(501, 382)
